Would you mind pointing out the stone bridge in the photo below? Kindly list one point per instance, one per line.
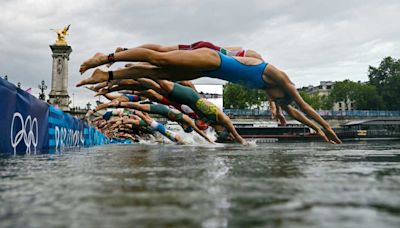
(335, 118)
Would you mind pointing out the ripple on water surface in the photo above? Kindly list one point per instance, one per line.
(276, 184)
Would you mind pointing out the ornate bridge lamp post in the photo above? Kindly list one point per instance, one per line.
(42, 88)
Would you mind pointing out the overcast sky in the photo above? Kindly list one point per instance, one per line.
(312, 40)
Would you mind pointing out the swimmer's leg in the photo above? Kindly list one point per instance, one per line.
(139, 71)
(154, 47)
(167, 133)
(200, 59)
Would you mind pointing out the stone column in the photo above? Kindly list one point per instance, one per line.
(59, 78)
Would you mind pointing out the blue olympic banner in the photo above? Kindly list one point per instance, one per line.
(29, 125)
(66, 131)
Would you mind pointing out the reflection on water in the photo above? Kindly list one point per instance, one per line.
(299, 184)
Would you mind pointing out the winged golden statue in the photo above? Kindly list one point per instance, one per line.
(61, 33)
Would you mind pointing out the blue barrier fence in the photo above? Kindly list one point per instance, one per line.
(29, 125)
(354, 113)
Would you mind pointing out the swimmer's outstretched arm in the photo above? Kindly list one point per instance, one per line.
(281, 118)
(300, 117)
(309, 111)
(284, 82)
(146, 108)
(276, 112)
(273, 107)
(231, 129)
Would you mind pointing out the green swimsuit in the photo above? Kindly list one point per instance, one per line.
(204, 109)
(166, 112)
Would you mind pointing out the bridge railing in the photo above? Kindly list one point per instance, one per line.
(247, 112)
(330, 113)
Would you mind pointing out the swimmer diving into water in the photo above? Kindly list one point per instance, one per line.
(229, 51)
(192, 64)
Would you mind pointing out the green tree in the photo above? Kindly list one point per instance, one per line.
(363, 95)
(237, 96)
(326, 102)
(343, 91)
(366, 97)
(316, 101)
(386, 79)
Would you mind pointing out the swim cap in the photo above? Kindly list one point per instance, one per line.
(201, 124)
(188, 129)
(107, 115)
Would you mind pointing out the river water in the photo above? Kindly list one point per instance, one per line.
(267, 185)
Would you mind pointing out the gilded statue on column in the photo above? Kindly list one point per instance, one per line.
(61, 33)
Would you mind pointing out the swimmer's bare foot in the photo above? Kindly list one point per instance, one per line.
(97, 76)
(101, 85)
(95, 61)
(88, 114)
(332, 136)
(119, 49)
(91, 88)
(114, 103)
(102, 91)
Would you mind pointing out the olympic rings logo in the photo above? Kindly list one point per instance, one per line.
(28, 132)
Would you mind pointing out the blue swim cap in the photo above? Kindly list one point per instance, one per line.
(188, 129)
(107, 115)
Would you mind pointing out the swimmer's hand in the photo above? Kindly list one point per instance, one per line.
(323, 135)
(332, 136)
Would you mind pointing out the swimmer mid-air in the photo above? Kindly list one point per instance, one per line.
(230, 51)
(205, 62)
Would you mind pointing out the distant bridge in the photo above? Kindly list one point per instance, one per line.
(335, 118)
(324, 113)
(211, 95)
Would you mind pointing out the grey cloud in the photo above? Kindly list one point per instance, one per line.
(312, 40)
